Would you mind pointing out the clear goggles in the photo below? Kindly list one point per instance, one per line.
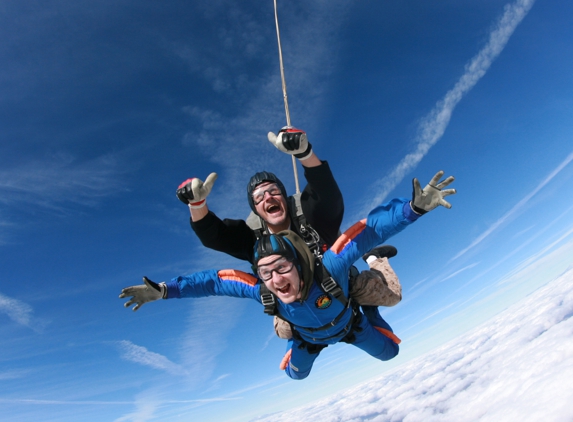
(259, 194)
(280, 266)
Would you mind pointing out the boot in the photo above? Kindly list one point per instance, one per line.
(382, 251)
(378, 286)
(282, 328)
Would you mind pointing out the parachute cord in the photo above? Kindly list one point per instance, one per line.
(285, 96)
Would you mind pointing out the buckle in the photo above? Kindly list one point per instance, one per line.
(329, 285)
(267, 299)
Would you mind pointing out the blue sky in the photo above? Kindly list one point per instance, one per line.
(105, 107)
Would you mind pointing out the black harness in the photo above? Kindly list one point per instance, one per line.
(328, 285)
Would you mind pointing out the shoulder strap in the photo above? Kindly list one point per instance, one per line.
(305, 230)
(257, 224)
(269, 300)
(327, 283)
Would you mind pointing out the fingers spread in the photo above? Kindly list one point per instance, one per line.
(445, 204)
(447, 192)
(436, 178)
(446, 182)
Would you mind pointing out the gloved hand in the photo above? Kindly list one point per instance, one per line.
(149, 292)
(292, 141)
(193, 191)
(432, 195)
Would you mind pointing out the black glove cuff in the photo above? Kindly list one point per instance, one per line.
(305, 154)
(417, 210)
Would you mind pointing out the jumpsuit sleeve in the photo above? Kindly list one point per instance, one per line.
(382, 223)
(322, 202)
(232, 237)
(232, 283)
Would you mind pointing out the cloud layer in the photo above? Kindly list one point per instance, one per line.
(516, 367)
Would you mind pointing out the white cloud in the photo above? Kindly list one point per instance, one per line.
(141, 355)
(59, 180)
(516, 208)
(434, 124)
(459, 271)
(239, 143)
(515, 367)
(207, 334)
(16, 310)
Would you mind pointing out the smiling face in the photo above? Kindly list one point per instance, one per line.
(285, 286)
(272, 207)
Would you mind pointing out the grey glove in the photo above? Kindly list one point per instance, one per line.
(292, 141)
(193, 192)
(149, 292)
(432, 195)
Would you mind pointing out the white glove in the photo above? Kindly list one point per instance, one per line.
(149, 292)
(292, 141)
(193, 192)
(432, 195)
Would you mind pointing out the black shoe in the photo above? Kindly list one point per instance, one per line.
(383, 251)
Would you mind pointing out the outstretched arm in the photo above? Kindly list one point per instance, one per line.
(389, 219)
(201, 284)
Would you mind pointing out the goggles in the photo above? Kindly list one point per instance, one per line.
(259, 194)
(280, 266)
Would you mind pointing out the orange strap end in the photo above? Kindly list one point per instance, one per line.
(286, 360)
(389, 334)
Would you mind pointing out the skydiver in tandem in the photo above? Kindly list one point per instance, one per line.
(315, 215)
(310, 292)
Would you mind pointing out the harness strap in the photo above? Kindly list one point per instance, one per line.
(328, 284)
(352, 326)
(268, 300)
(330, 324)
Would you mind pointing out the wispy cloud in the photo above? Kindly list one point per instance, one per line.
(207, 335)
(433, 126)
(141, 355)
(16, 310)
(59, 180)
(238, 143)
(516, 208)
(459, 271)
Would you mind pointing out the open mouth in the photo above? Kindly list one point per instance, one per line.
(273, 208)
(284, 290)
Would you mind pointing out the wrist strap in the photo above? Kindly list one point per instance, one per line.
(416, 209)
(306, 154)
(197, 205)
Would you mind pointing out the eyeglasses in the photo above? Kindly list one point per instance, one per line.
(280, 266)
(259, 195)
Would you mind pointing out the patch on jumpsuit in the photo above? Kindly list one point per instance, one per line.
(323, 301)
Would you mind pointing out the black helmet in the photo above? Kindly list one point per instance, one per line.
(257, 179)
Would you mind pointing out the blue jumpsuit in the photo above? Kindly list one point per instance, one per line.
(318, 309)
